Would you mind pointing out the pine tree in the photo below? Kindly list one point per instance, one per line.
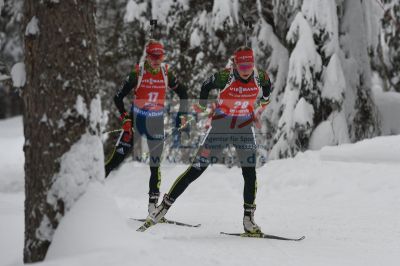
(284, 13)
(329, 117)
(62, 113)
(327, 99)
(388, 65)
(361, 113)
(11, 52)
(305, 65)
(272, 56)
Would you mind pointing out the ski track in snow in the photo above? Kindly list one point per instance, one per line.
(345, 200)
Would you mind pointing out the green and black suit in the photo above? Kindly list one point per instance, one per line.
(146, 121)
(226, 130)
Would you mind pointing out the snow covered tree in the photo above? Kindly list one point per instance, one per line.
(267, 11)
(63, 150)
(329, 117)
(388, 65)
(11, 52)
(327, 99)
(272, 56)
(361, 114)
(297, 120)
(283, 14)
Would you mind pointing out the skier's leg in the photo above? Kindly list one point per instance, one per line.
(246, 150)
(247, 156)
(210, 146)
(155, 150)
(250, 185)
(198, 166)
(122, 148)
(249, 196)
(155, 143)
(154, 188)
(179, 186)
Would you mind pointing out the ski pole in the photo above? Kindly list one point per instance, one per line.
(178, 129)
(248, 24)
(112, 131)
(169, 134)
(115, 131)
(153, 25)
(171, 131)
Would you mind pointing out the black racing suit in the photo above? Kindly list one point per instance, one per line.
(152, 127)
(225, 130)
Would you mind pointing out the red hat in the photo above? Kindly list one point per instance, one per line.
(155, 49)
(244, 56)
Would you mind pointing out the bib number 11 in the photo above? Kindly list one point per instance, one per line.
(153, 97)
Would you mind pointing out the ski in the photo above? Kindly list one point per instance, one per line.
(262, 235)
(166, 221)
(146, 225)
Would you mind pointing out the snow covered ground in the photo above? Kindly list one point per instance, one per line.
(345, 200)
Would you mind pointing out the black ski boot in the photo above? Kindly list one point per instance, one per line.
(249, 225)
(158, 214)
(153, 200)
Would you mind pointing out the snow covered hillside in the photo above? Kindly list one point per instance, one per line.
(345, 200)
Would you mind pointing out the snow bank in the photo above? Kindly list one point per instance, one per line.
(79, 166)
(333, 131)
(93, 224)
(376, 150)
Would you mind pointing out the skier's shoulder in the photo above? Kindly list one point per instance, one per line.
(222, 76)
(134, 72)
(169, 70)
(224, 73)
(263, 76)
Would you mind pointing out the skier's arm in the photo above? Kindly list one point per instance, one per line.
(127, 86)
(208, 85)
(180, 90)
(266, 88)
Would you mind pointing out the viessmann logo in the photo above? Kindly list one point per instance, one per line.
(150, 80)
(242, 89)
(245, 57)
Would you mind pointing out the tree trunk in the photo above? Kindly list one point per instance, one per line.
(61, 104)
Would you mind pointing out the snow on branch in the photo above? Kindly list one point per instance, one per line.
(324, 20)
(224, 11)
(33, 27)
(304, 59)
